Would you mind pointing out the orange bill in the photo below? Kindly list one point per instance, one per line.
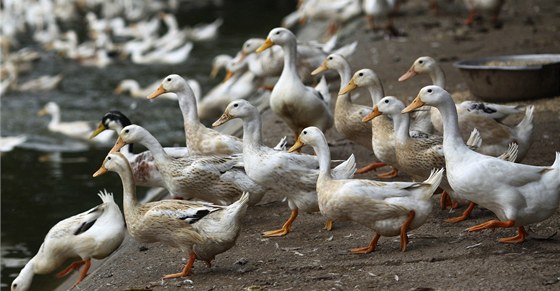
(374, 113)
(416, 103)
(160, 90)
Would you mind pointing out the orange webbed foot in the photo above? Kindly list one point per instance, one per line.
(370, 248)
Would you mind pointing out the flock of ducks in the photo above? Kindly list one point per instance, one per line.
(217, 177)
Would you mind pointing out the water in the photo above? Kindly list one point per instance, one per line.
(50, 179)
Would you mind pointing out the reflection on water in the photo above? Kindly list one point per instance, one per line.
(49, 178)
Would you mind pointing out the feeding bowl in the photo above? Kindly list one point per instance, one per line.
(510, 78)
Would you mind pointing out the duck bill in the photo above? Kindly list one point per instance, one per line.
(297, 146)
(320, 69)
(118, 90)
(159, 91)
(214, 72)
(119, 144)
(349, 87)
(228, 76)
(223, 119)
(409, 74)
(42, 112)
(267, 43)
(102, 170)
(100, 128)
(416, 103)
(373, 114)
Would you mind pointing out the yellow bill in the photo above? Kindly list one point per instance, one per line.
(267, 43)
(223, 119)
(349, 87)
(416, 103)
(100, 128)
(102, 170)
(373, 114)
(160, 90)
(409, 74)
(297, 146)
(320, 69)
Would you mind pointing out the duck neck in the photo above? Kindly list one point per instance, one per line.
(26, 274)
(130, 201)
(55, 118)
(324, 158)
(452, 139)
(152, 144)
(376, 91)
(345, 73)
(438, 77)
(401, 123)
(252, 130)
(290, 59)
(187, 103)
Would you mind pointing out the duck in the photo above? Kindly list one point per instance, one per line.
(218, 179)
(492, 6)
(517, 194)
(389, 208)
(347, 115)
(75, 129)
(8, 143)
(42, 83)
(164, 56)
(202, 230)
(200, 140)
(381, 8)
(486, 117)
(298, 105)
(335, 12)
(205, 32)
(93, 234)
(266, 166)
(381, 138)
(143, 166)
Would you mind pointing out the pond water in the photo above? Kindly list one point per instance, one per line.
(49, 177)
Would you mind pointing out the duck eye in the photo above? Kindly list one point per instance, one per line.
(304, 132)
(14, 286)
(168, 79)
(386, 101)
(235, 105)
(278, 32)
(420, 61)
(330, 58)
(429, 90)
(127, 131)
(360, 74)
(108, 158)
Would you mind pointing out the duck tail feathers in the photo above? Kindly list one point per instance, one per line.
(433, 180)
(346, 169)
(106, 197)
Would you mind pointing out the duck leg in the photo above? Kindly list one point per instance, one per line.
(186, 270)
(285, 228)
(465, 214)
(470, 17)
(74, 266)
(370, 248)
(404, 228)
(388, 175)
(83, 273)
(446, 202)
(370, 167)
(519, 238)
(328, 224)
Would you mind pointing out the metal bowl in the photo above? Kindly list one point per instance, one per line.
(510, 78)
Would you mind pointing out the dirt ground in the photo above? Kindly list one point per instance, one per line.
(440, 255)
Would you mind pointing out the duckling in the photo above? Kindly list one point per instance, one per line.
(388, 208)
(517, 194)
(96, 234)
(201, 229)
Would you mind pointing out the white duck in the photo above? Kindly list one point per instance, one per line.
(298, 105)
(93, 234)
(200, 139)
(8, 143)
(517, 194)
(381, 8)
(200, 229)
(75, 129)
(142, 164)
(492, 6)
(388, 208)
(486, 117)
(218, 179)
(293, 175)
